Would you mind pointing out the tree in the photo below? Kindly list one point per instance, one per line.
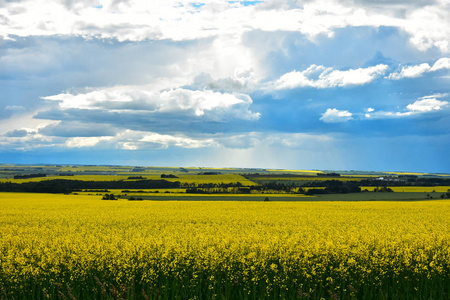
(109, 197)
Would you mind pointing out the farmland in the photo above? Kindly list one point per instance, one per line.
(149, 181)
(222, 234)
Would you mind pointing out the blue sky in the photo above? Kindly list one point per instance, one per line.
(329, 84)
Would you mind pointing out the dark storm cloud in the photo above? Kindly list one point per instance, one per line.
(78, 129)
(17, 133)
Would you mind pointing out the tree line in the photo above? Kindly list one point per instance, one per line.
(27, 176)
(68, 186)
(328, 187)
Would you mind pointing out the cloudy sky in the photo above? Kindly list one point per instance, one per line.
(327, 84)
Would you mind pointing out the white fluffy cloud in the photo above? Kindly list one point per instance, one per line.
(138, 140)
(322, 77)
(410, 72)
(429, 26)
(422, 105)
(177, 141)
(419, 70)
(80, 142)
(207, 105)
(440, 64)
(426, 104)
(333, 115)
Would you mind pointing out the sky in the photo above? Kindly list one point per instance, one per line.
(327, 84)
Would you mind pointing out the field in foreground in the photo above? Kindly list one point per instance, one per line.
(78, 247)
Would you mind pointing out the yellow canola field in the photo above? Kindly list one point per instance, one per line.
(84, 248)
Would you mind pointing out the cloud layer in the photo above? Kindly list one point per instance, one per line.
(428, 24)
(419, 70)
(281, 83)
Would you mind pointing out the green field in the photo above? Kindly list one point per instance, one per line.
(420, 189)
(371, 196)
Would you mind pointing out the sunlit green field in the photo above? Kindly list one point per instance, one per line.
(416, 189)
(301, 178)
(75, 177)
(296, 172)
(80, 247)
(221, 178)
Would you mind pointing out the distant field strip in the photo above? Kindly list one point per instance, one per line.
(167, 193)
(190, 179)
(405, 173)
(217, 179)
(307, 172)
(417, 174)
(301, 178)
(93, 169)
(224, 197)
(413, 189)
(205, 196)
(75, 177)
